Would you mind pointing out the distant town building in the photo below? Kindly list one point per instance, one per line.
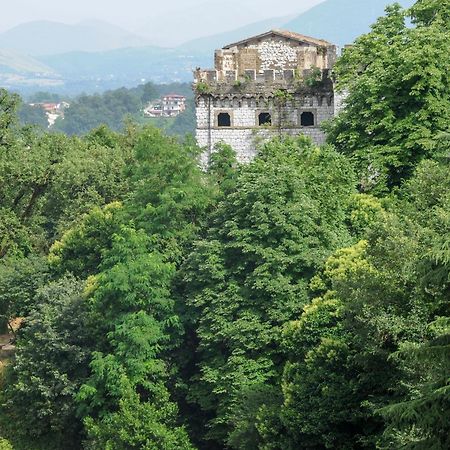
(169, 106)
(53, 111)
(274, 83)
(173, 104)
(153, 109)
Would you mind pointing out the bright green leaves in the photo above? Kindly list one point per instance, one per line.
(138, 425)
(126, 388)
(398, 101)
(170, 192)
(80, 249)
(284, 216)
(132, 277)
(47, 181)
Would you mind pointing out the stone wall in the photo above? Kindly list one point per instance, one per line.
(244, 135)
(274, 53)
(279, 75)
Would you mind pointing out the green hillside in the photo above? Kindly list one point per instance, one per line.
(11, 61)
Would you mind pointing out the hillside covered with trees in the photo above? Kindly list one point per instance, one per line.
(297, 302)
(112, 108)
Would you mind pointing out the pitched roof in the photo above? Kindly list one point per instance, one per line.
(283, 33)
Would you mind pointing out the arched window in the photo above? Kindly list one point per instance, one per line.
(307, 119)
(224, 120)
(264, 118)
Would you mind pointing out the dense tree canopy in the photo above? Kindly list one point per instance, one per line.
(398, 100)
(300, 302)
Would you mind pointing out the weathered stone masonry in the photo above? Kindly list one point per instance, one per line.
(272, 84)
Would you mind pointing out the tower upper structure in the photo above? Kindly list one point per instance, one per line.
(274, 83)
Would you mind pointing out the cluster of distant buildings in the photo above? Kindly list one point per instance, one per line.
(169, 106)
(53, 111)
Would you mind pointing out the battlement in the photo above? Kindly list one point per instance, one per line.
(275, 83)
(268, 76)
(216, 81)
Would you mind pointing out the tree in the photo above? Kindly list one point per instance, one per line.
(250, 274)
(124, 402)
(398, 94)
(33, 115)
(47, 181)
(8, 107)
(53, 350)
(382, 319)
(81, 248)
(87, 112)
(171, 195)
(20, 280)
(420, 419)
(149, 92)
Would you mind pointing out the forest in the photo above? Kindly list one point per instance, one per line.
(111, 108)
(299, 302)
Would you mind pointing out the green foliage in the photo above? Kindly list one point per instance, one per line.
(16, 239)
(88, 112)
(8, 107)
(387, 333)
(282, 96)
(264, 306)
(80, 249)
(5, 445)
(113, 108)
(222, 167)
(398, 101)
(184, 123)
(313, 78)
(125, 402)
(20, 280)
(149, 92)
(139, 426)
(250, 275)
(170, 193)
(33, 115)
(202, 87)
(47, 181)
(422, 421)
(52, 353)
(321, 402)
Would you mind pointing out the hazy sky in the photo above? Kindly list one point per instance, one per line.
(133, 14)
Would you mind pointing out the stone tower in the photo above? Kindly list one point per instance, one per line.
(276, 83)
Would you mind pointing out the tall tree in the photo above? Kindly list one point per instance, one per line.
(125, 402)
(398, 87)
(250, 275)
(53, 351)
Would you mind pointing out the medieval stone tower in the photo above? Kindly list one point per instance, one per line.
(276, 83)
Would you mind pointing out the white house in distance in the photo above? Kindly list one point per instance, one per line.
(173, 104)
(169, 106)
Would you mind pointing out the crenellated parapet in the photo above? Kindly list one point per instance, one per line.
(275, 83)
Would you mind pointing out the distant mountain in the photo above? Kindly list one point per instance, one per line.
(14, 62)
(210, 43)
(341, 21)
(155, 63)
(338, 21)
(211, 18)
(47, 38)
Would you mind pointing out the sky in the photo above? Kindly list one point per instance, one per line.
(133, 15)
